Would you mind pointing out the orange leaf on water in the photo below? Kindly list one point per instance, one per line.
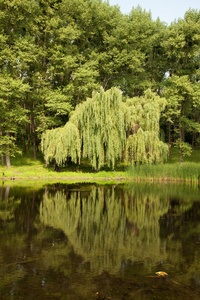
(161, 274)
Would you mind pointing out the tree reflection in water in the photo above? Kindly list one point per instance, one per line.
(59, 241)
(109, 226)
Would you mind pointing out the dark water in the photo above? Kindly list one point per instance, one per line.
(99, 242)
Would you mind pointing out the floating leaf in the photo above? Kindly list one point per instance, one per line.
(161, 274)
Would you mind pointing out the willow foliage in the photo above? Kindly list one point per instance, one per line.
(144, 144)
(102, 122)
(61, 143)
(103, 127)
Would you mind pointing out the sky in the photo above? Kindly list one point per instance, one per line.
(166, 10)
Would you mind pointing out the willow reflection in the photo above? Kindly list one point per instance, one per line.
(109, 226)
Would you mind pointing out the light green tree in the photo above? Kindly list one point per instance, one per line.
(98, 130)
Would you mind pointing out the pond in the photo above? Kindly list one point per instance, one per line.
(93, 241)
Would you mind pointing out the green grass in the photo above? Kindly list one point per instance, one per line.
(188, 171)
(166, 172)
(24, 167)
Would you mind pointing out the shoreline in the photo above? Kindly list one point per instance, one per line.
(163, 180)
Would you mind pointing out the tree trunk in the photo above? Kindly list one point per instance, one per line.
(29, 136)
(182, 134)
(1, 193)
(182, 139)
(8, 164)
(180, 150)
(34, 147)
(56, 167)
(15, 138)
(182, 130)
(2, 159)
(2, 155)
(34, 134)
(24, 143)
(169, 138)
(193, 139)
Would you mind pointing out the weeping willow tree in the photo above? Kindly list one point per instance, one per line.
(144, 144)
(104, 127)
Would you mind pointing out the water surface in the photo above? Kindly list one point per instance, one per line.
(89, 241)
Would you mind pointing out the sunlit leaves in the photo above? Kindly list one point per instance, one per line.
(61, 143)
(101, 126)
(144, 143)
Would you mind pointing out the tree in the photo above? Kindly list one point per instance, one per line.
(181, 43)
(99, 127)
(13, 116)
(182, 101)
(126, 61)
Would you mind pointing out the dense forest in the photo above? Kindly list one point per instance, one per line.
(82, 71)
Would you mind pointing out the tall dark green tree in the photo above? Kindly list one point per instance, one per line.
(182, 44)
(13, 93)
(183, 101)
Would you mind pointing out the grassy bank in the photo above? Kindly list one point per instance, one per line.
(24, 167)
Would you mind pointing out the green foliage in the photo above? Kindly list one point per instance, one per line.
(61, 143)
(181, 42)
(103, 124)
(184, 148)
(145, 147)
(13, 93)
(143, 144)
(182, 109)
(58, 103)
